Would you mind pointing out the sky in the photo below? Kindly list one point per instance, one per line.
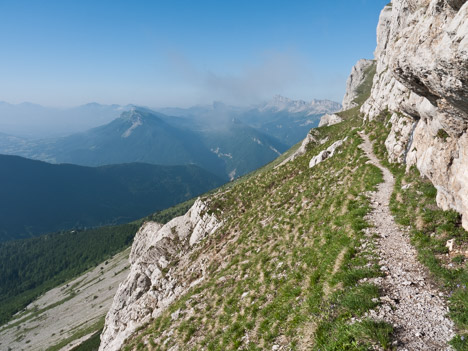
(181, 53)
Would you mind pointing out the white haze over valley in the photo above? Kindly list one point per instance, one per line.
(33, 121)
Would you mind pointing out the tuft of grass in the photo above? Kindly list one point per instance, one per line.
(442, 134)
(92, 344)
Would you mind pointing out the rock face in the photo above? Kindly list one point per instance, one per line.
(355, 79)
(422, 80)
(309, 139)
(327, 153)
(329, 120)
(160, 267)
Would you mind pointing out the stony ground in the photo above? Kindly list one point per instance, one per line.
(68, 313)
(411, 303)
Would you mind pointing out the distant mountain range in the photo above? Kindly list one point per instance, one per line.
(37, 197)
(36, 121)
(283, 104)
(284, 119)
(227, 141)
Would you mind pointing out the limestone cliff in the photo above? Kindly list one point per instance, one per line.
(422, 80)
(161, 270)
(355, 81)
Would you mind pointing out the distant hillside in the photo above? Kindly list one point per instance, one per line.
(30, 267)
(241, 146)
(288, 120)
(136, 136)
(38, 197)
(223, 145)
(284, 119)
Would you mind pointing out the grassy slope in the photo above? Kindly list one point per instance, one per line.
(430, 227)
(291, 261)
(92, 344)
(292, 257)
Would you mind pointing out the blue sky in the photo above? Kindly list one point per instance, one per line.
(180, 53)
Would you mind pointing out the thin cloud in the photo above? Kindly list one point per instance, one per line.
(273, 73)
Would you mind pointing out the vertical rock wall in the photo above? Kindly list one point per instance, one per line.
(355, 80)
(422, 79)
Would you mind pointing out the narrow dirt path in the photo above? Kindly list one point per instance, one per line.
(411, 303)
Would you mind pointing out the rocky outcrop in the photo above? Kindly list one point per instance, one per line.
(309, 139)
(355, 80)
(422, 80)
(161, 270)
(329, 120)
(327, 153)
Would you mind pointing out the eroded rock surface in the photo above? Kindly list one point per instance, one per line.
(161, 271)
(329, 120)
(422, 79)
(327, 153)
(309, 139)
(355, 80)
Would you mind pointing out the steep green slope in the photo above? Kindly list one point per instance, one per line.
(291, 266)
(32, 266)
(287, 266)
(37, 197)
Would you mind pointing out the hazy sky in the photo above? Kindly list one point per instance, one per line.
(179, 53)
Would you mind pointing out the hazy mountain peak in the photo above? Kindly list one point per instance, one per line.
(136, 122)
(281, 103)
(92, 104)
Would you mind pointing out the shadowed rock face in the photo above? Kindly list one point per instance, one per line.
(456, 4)
(422, 78)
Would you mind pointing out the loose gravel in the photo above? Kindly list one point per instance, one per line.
(410, 301)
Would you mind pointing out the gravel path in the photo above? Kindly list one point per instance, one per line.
(412, 304)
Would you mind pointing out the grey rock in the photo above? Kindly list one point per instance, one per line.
(422, 78)
(329, 120)
(327, 153)
(355, 79)
(149, 288)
